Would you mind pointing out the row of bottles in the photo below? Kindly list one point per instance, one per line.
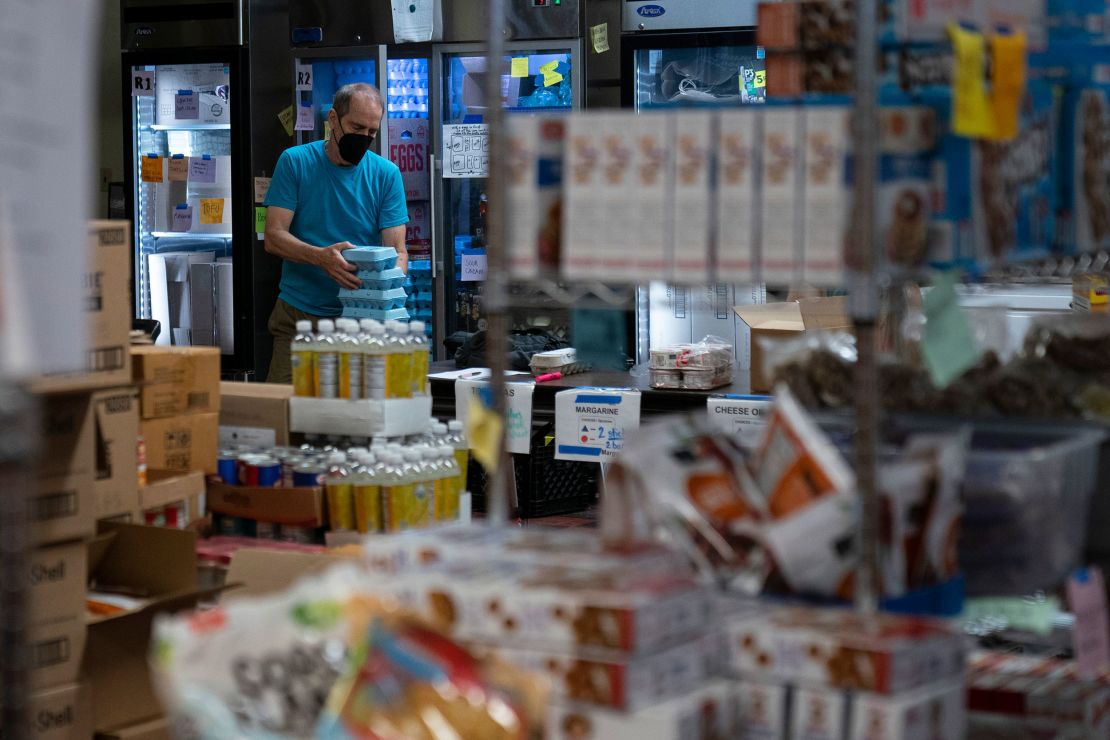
(360, 359)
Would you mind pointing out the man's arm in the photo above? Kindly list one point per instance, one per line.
(329, 259)
(394, 237)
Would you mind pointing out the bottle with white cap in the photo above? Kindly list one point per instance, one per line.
(367, 491)
(327, 361)
(350, 360)
(419, 343)
(341, 503)
(303, 359)
(423, 488)
(397, 490)
(374, 360)
(461, 447)
(453, 485)
(399, 362)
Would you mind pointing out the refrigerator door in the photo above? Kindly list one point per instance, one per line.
(316, 78)
(536, 77)
(185, 188)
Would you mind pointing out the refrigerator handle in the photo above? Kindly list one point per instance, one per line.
(433, 216)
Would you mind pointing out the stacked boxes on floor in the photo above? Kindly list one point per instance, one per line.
(179, 402)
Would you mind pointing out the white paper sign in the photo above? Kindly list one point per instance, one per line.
(304, 77)
(466, 150)
(202, 170)
(416, 20)
(473, 268)
(743, 416)
(261, 188)
(518, 410)
(306, 121)
(186, 105)
(249, 436)
(182, 218)
(591, 423)
(142, 83)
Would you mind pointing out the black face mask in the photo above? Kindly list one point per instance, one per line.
(352, 147)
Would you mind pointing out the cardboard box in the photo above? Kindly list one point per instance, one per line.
(56, 582)
(781, 204)
(61, 713)
(300, 507)
(827, 194)
(116, 488)
(691, 216)
(107, 311)
(255, 414)
(63, 506)
(937, 713)
(165, 487)
(155, 729)
(393, 417)
(771, 322)
(259, 571)
(819, 714)
(762, 710)
(184, 443)
(160, 563)
(177, 380)
(56, 650)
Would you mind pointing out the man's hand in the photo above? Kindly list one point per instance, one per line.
(330, 260)
(403, 262)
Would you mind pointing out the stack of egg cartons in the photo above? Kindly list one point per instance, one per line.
(419, 284)
(382, 295)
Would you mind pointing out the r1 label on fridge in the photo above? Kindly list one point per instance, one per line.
(743, 416)
(142, 83)
(591, 423)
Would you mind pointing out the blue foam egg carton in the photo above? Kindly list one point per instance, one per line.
(393, 314)
(420, 268)
(422, 314)
(389, 279)
(374, 259)
(382, 299)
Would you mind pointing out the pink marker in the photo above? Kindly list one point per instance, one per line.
(549, 376)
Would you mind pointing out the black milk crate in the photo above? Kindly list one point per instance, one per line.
(545, 486)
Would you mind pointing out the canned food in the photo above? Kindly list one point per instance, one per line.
(309, 475)
(227, 525)
(175, 515)
(288, 465)
(267, 531)
(248, 471)
(227, 467)
(268, 472)
(154, 518)
(299, 535)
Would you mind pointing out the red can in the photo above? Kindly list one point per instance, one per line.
(248, 470)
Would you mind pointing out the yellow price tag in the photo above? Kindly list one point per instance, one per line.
(971, 108)
(260, 219)
(288, 119)
(519, 67)
(152, 169)
(211, 211)
(549, 67)
(760, 78)
(551, 78)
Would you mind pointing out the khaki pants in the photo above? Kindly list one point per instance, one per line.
(283, 327)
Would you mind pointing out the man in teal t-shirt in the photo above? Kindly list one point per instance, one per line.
(326, 197)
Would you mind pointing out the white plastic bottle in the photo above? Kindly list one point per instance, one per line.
(453, 485)
(420, 360)
(327, 361)
(350, 361)
(367, 492)
(440, 436)
(438, 473)
(374, 361)
(303, 359)
(341, 503)
(397, 492)
(398, 362)
(461, 447)
(420, 510)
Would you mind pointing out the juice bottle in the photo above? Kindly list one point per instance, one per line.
(397, 491)
(327, 361)
(419, 344)
(350, 361)
(374, 360)
(420, 507)
(398, 375)
(303, 359)
(367, 492)
(453, 484)
(341, 503)
(440, 436)
(439, 475)
(461, 447)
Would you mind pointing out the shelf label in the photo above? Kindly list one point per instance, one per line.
(152, 169)
(518, 410)
(474, 268)
(186, 105)
(179, 168)
(591, 423)
(286, 119)
(741, 416)
(304, 77)
(306, 120)
(182, 218)
(211, 211)
(260, 219)
(466, 150)
(261, 188)
(202, 170)
(519, 67)
(142, 83)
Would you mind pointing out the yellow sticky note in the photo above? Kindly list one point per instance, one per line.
(260, 219)
(152, 169)
(484, 430)
(599, 37)
(211, 211)
(327, 130)
(288, 119)
(971, 109)
(519, 67)
(549, 67)
(1008, 67)
(760, 78)
(551, 78)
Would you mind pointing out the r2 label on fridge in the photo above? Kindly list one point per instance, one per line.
(591, 423)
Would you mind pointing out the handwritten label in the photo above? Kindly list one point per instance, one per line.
(306, 120)
(1087, 599)
(518, 410)
(261, 188)
(591, 423)
(549, 67)
(286, 118)
(304, 77)
(186, 105)
(466, 150)
(202, 170)
(742, 416)
(473, 268)
(260, 219)
(152, 169)
(182, 218)
(142, 83)
(211, 211)
(760, 79)
(551, 78)
(599, 38)
(179, 169)
(519, 67)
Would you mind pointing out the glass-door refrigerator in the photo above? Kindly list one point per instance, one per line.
(680, 54)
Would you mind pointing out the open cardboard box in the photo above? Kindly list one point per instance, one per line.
(777, 322)
(254, 414)
(165, 487)
(299, 507)
(158, 566)
(258, 571)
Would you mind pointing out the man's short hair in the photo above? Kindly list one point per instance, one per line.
(342, 101)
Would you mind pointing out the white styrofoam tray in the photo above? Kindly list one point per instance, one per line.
(391, 418)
